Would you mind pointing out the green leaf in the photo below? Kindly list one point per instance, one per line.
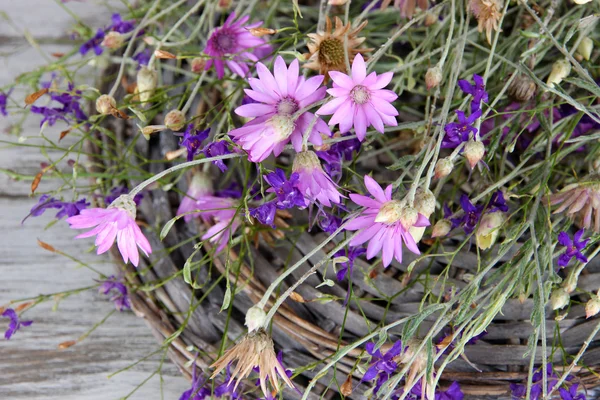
(402, 162)
(187, 270)
(583, 84)
(226, 298)
(165, 230)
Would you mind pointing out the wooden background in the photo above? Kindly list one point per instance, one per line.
(31, 365)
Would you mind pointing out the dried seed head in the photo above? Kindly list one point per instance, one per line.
(474, 152)
(581, 200)
(560, 70)
(424, 202)
(443, 167)
(441, 228)
(488, 229)
(197, 65)
(433, 77)
(488, 13)
(522, 88)
(585, 48)
(306, 160)
(105, 104)
(146, 83)
(175, 120)
(113, 40)
(592, 307)
(559, 298)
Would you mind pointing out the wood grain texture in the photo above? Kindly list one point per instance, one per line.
(31, 365)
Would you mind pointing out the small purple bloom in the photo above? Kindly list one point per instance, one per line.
(471, 216)
(571, 394)
(215, 149)
(265, 214)
(3, 102)
(65, 209)
(94, 43)
(118, 25)
(497, 203)
(288, 195)
(227, 387)
(382, 365)
(15, 323)
(143, 57)
(120, 190)
(573, 246)
(192, 139)
(233, 190)
(70, 106)
(115, 287)
(329, 223)
(452, 393)
(477, 91)
(345, 268)
(519, 391)
(198, 391)
(461, 131)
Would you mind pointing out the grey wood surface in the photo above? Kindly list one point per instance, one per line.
(31, 365)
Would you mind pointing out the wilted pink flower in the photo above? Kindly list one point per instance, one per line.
(200, 185)
(313, 182)
(360, 100)
(115, 222)
(232, 44)
(278, 97)
(384, 223)
(222, 210)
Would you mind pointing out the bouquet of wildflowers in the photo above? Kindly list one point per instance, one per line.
(398, 199)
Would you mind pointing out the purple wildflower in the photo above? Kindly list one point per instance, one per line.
(461, 131)
(192, 139)
(15, 323)
(571, 394)
(233, 190)
(94, 43)
(70, 106)
(345, 268)
(118, 25)
(471, 215)
(329, 223)
(574, 247)
(228, 387)
(3, 101)
(497, 202)
(336, 154)
(477, 90)
(265, 213)
(120, 190)
(288, 195)
(452, 393)
(143, 57)
(115, 287)
(520, 391)
(313, 182)
(382, 365)
(215, 149)
(198, 391)
(65, 209)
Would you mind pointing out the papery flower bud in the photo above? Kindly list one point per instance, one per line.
(443, 167)
(559, 298)
(146, 83)
(260, 32)
(560, 70)
(113, 40)
(164, 55)
(197, 65)
(150, 129)
(474, 152)
(433, 77)
(255, 318)
(522, 88)
(441, 228)
(585, 48)
(430, 19)
(105, 104)
(570, 283)
(424, 204)
(592, 307)
(408, 217)
(175, 120)
(488, 229)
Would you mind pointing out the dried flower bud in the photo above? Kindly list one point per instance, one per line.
(150, 129)
(197, 65)
(106, 104)
(592, 307)
(67, 344)
(433, 77)
(175, 120)
(522, 88)
(223, 5)
(165, 55)
(260, 32)
(441, 228)
(424, 202)
(443, 167)
(146, 83)
(337, 2)
(255, 318)
(570, 283)
(560, 70)
(559, 298)
(346, 388)
(585, 48)
(488, 229)
(430, 19)
(113, 40)
(474, 152)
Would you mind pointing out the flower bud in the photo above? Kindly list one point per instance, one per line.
(570, 283)
(585, 48)
(197, 65)
(260, 32)
(441, 228)
(559, 298)
(408, 217)
(175, 120)
(223, 5)
(560, 70)
(522, 88)
(433, 77)
(113, 40)
(150, 129)
(430, 19)
(474, 152)
(255, 318)
(146, 83)
(592, 307)
(443, 167)
(488, 229)
(105, 104)
(425, 202)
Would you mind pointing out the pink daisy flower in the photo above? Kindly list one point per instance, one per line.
(278, 96)
(223, 212)
(360, 100)
(115, 222)
(384, 223)
(314, 184)
(199, 186)
(229, 45)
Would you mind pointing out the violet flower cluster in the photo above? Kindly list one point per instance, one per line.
(519, 391)
(69, 108)
(115, 287)
(15, 323)
(95, 42)
(65, 208)
(573, 248)
(471, 213)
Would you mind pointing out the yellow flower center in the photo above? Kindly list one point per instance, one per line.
(331, 52)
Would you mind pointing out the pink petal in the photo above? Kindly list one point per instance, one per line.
(383, 107)
(309, 87)
(255, 110)
(280, 73)
(341, 79)
(382, 81)
(388, 250)
(360, 123)
(317, 95)
(365, 235)
(375, 244)
(343, 112)
(410, 243)
(388, 192)
(266, 78)
(338, 92)
(359, 222)
(374, 188)
(347, 122)
(259, 96)
(373, 117)
(386, 95)
(359, 69)
(292, 76)
(365, 201)
(398, 248)
(422, 221)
